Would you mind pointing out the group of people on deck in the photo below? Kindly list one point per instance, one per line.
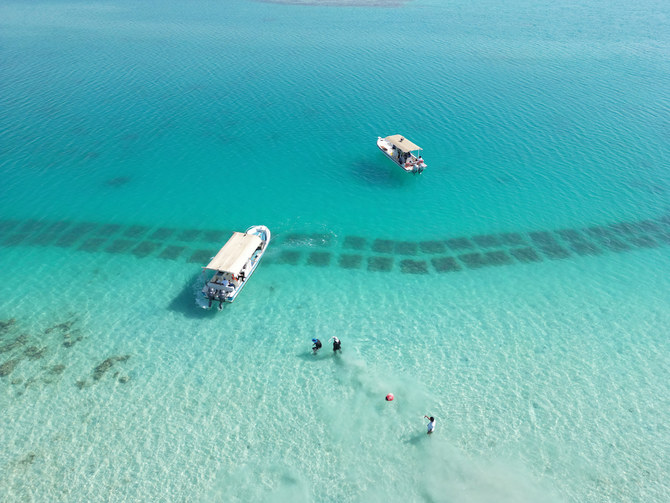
(220, 294)
(407, 157)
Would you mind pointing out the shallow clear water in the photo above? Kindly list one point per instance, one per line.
(517, 290)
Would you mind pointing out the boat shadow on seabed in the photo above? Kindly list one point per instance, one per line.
(184, 303)
(377, 175)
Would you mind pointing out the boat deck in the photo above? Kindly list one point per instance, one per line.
(410, 163)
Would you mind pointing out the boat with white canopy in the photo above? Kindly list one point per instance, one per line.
(233, 266)
(403, 152)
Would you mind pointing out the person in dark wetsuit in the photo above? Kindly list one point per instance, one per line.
(317, 345)
(337, 345)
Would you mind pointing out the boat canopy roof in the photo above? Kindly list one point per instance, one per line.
(402, 143)
(235, 253)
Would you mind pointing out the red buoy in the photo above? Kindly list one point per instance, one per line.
(389, 397)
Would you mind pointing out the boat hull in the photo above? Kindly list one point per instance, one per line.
(264, 233)
(229, 293)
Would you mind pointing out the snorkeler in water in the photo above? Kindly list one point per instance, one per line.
(431, 424)
(337, 344)
(317, 345)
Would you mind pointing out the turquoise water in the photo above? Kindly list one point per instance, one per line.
(517, 290)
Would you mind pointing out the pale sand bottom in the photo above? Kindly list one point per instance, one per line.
(536, 391)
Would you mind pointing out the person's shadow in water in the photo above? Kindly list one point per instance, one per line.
(309, 356)
(416, 439)
(323, 354)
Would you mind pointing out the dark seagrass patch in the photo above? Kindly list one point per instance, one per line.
(319, 259)
(383, 246)
(296, 239)
(31, 226)
(7, 225)
(161, 234)
(380, 264)
(350, 261)
(497, 258)
(172, 252)
(290, 257)
(68, 239)
(512, 239)
(84, 228)
(320, 239)
(570, 235)
(646, 226)
(120, 246)
(14, 239)
(525, 255)
(92, 244)
(642, 241)
(599, 232)
(446, 264)
(117, 182)
(487, 240)
(188, 235)
(135, 231)
(52, 232)
(214, 236)
(663, 236)
(144, 249)
(432, 247)
(554, 251)
(473, 260)
(200, 257)
(406, 248)
(543, 238)
(354, 243)
(302, 239)
(457, 244)
(585, 248)
(623, 228)
(408, 266)
(616, 245)
(107, 229)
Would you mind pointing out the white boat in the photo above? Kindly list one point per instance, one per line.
(403, 152)
(232, 267)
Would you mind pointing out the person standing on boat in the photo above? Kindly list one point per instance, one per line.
(317, 345)
(337, 344)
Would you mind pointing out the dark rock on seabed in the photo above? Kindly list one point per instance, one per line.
(103, 367)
